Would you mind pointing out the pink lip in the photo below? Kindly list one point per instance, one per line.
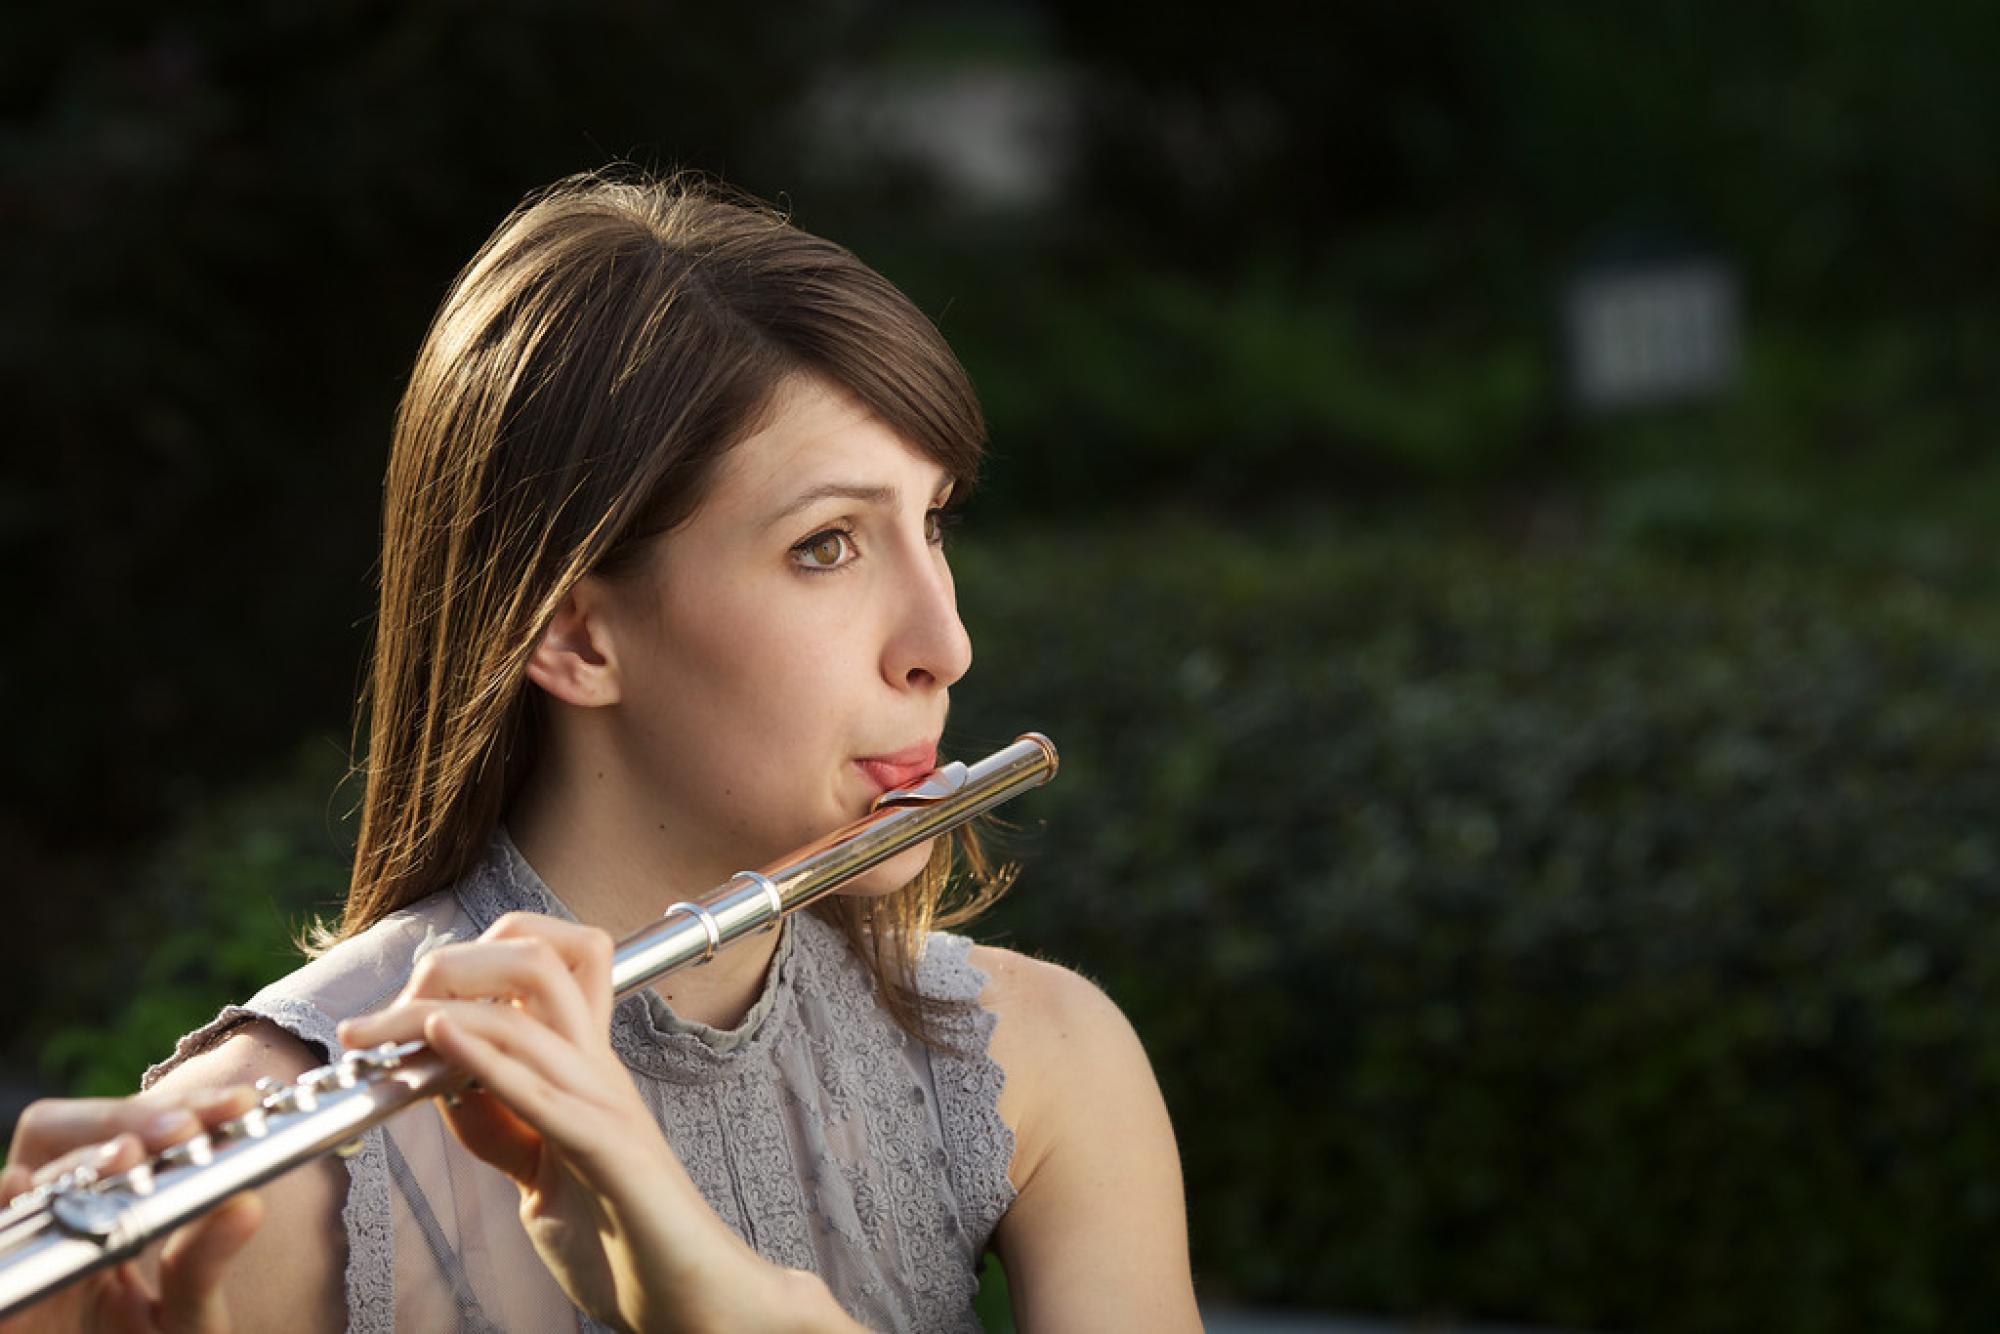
(899, 768)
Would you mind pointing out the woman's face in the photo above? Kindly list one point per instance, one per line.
(785, 655)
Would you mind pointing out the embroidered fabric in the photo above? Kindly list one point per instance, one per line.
(821, 1134)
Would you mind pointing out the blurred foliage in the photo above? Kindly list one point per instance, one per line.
(1323, 241)
(994, 1303)
(1588, 848)
(1572, 934)
(1842, 150)
(213, 917)
(1577, 936)
(1122, 385)
(225, 228)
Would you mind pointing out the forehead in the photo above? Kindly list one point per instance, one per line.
(815, 433)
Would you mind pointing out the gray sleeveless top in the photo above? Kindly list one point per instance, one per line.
(821, 1134)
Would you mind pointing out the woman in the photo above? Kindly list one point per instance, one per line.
(664, 597)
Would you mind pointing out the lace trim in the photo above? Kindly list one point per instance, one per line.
(191, 1045)
(969, 1083)
(645, 1032)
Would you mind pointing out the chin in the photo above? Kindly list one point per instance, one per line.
(890, 876)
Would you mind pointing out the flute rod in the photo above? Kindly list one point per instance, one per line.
(81, 1222)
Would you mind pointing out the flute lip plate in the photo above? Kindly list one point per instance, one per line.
(936, 786)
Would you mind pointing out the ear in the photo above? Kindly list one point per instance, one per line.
(574, 662)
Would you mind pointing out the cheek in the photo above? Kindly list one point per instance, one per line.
(723, 669)
(747, 709)
(758, 696)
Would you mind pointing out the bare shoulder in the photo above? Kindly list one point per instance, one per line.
(291, 1275)
(1064, 1046)
(1046, 1000)
(1096, 1169)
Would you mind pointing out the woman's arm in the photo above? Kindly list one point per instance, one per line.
(114, 1135)
(1096, 1239)
(292, 1275)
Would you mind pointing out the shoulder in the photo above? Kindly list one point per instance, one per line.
(1095, 1163)
(364, 971)
(1065, 1047)
(1054, 1005)
(1032, 997)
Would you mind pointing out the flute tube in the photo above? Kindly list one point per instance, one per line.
(63, 1230)
(900, 821)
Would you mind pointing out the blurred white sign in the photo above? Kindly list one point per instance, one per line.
(1643, 334)
(995, 138)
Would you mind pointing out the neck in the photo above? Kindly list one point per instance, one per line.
(615, 871)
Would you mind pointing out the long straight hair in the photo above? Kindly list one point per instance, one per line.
(603, 350)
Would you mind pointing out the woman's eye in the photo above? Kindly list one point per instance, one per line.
(939, 522)
(825, 551)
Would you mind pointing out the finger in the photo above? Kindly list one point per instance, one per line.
(51, 1127)
(123, 1302)
(585, 950)
(545, 1081)
(168, 1122)
(407, 1021)
(403, 1021)
(494, 1133)
(59, 1127)
(528, 971)
(525, 965)
(214, 1106)
(194, 1261)
(191, 1113)
(114, 1155)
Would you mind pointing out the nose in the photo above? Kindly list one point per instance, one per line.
(928, 649)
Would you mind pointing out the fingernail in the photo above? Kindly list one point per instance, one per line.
(106, 1152)
(169, 1123)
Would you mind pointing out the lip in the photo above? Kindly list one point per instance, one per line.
(899, 768)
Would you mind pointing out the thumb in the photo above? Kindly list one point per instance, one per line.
(122, 1302)
(192, 1265)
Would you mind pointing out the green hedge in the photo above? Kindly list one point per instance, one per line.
(212, 918)
(1580, 936)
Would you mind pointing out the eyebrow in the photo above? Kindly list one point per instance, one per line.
(884, 497)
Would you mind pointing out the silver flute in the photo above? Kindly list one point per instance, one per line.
(82, 1221)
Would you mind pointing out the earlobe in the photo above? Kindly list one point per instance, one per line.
(573, 661)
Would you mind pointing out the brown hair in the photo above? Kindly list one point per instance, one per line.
(607, 345)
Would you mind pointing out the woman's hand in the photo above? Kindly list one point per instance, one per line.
(608, 1205)
(112, 1135)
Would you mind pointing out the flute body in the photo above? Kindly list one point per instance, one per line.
(81, 1222)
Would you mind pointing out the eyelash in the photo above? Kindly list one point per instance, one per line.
(944, 519)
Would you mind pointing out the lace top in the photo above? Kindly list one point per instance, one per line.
(821, 1134)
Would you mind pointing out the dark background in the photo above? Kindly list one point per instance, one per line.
(1548, 853)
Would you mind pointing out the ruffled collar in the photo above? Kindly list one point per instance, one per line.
(645, 1032)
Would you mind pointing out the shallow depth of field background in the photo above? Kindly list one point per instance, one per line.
(1548, 848)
